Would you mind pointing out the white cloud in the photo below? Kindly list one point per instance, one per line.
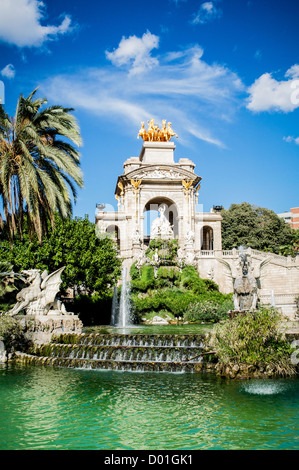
(181, 87)
(292, 139)
(135, 52)
(293, 72)
(269, 94)
(20, 23)
(207, 12)
(8, 71)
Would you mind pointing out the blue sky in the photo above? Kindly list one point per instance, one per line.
(225, 73)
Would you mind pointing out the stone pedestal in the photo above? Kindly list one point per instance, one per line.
(40, 329)
(157, 153)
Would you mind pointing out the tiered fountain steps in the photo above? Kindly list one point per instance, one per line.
(138, 352)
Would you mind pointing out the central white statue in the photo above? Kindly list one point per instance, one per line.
(161, 227)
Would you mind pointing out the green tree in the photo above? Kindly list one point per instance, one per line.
(257, 227)
(91, 264)
(9, 284)
(39, 168)
(292, 248)
(6, 278)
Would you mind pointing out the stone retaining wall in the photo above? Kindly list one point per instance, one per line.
(41, 329)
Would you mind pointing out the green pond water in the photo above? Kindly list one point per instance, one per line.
(174, 329)
(179, 329)
(63, 409)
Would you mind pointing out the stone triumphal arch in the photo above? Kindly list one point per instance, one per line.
(155, 184)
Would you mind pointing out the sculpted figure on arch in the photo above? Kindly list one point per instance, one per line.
(160, 226)
(154, 134)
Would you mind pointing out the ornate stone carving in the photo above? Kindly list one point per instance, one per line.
(159, 174)
(190, 258)
(190, 236)
(39, 298)
(210, 274)
(142, 259)
(180, 257)
(136, 239)
(156, 257)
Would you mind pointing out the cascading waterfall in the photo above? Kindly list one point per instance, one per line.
(124, 319)
(115, 307)
(139, 352)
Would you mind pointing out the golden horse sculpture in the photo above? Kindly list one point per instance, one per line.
(154, 134)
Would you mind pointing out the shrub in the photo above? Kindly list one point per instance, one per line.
(174, 292)
(147, 274)
(167, 249)
(211, 285)
(255, 338)
(172, 300)
(177, 302)
(191, 280)
(134, 272)
(208, 311)
(12, 334)
(147, 279)
(165, 272)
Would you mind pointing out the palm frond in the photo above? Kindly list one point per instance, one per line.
(39, 168)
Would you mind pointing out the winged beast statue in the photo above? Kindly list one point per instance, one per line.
(246, 280)
(39, 298)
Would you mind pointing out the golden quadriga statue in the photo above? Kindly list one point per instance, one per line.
(154, 134)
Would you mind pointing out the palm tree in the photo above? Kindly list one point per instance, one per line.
(39, 168)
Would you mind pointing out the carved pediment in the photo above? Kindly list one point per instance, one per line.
(162, 172)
